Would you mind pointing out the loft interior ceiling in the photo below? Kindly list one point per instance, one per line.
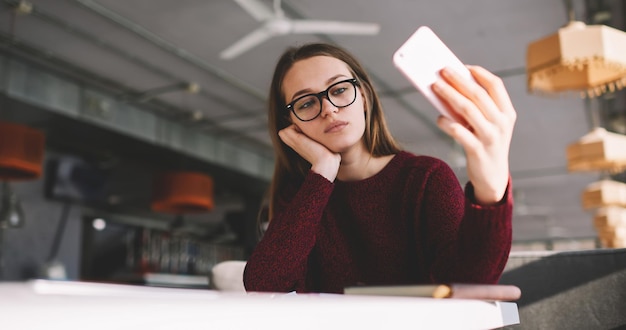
(137, 46)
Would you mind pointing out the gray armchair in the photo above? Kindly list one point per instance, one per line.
(570, 290)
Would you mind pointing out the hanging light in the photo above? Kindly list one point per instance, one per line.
(21, 152)
(610, 223)
(604, 193)
(11, 212)
(182, 193)
(589, 59)
(21, 158)
(599, 150)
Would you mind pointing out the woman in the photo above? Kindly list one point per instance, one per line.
(348, 207)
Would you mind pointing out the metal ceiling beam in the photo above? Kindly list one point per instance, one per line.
(122, 53)
(183, 115)
(31, 85)
(170, 48)
(18, 49)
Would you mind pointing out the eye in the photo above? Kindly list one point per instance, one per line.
(339, 90)
(305, 103)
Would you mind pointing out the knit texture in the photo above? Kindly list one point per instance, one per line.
(410, 223)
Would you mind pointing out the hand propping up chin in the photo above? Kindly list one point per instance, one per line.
(323, 161)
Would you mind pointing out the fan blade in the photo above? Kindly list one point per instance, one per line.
(256, 9)
(244, 44)
(333, 27)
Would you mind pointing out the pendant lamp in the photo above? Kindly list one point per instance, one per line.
(589, 59)
(599, 150)
(604, 193)
(605, 151)
(21, 158)
(610, 223)
(21, 152)
(608, 198)
(182, 193)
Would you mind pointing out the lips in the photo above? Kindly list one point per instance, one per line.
(335, 126)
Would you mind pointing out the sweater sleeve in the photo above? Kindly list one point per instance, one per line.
(279, 261)
(470, 243)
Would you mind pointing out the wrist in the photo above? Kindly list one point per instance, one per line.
(488, 198)
(488, 195)
(327, 168)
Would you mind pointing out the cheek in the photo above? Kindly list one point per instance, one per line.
(364, 100)
(308, 130)
(363, 105)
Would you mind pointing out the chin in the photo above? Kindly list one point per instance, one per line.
(338, 150)
(338, 147)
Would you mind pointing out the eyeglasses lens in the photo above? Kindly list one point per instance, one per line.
(341, 94)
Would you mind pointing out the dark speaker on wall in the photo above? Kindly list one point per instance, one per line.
(75, 180)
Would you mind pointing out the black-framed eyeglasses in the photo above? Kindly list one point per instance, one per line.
(341, 94)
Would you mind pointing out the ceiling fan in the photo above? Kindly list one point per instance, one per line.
(275, 23)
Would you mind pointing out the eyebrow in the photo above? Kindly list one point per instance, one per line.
(308, 90)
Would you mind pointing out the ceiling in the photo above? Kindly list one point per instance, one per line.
(146, 52)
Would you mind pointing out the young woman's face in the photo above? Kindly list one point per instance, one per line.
(337, 128)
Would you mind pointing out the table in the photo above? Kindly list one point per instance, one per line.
(42, 304)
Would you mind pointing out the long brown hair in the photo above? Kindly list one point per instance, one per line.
(288, 164)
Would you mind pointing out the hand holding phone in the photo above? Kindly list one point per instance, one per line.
(421, 58)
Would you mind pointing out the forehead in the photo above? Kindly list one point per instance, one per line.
(313, 73)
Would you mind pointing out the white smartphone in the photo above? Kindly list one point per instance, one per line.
(421, 58)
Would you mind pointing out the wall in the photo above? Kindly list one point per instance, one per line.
(26, 249)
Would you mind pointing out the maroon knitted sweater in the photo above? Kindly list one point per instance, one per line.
(410, 223)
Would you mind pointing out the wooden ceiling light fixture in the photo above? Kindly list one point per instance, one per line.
(183, 193)
(589, 60)
(599, 150)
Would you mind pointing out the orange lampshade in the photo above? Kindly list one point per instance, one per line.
(182, 193)
(589, 59)
(21, 152)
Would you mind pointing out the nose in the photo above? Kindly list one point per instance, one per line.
(327, 106)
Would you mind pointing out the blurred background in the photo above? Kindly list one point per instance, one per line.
(126, 92)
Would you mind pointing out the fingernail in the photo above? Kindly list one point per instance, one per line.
(447, 72)
(436, 86)
(444, 72)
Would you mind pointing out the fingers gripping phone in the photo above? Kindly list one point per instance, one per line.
(421, 58)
